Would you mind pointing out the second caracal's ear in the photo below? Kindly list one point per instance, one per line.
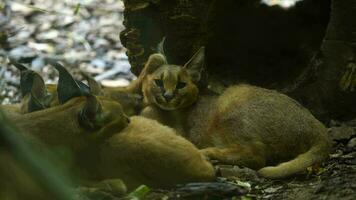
(38, 95)
(32, 83)
(196, 64)
(102, 124)
(160, 46)
(67, 87)
(90, 114)
(154, 62)
(26, 79)
(38, 88)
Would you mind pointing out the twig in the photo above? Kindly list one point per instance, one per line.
(2, 72)
(38, 9)
(2, 82)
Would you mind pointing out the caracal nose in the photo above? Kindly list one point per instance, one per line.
(168, 96)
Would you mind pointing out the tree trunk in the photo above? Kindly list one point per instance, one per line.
(330, 89)
(247, 41)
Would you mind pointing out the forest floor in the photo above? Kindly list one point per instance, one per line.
(87, 39)
(334, 180)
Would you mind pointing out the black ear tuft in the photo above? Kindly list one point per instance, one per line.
(67, 87)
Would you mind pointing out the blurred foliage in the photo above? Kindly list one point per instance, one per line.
(139, 193)
(348, 80)
(77, 8)
(34, 160)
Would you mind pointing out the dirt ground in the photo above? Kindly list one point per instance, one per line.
(334, 180)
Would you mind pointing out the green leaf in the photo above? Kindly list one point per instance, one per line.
(77, 8)
(139, 193)
(246, 198)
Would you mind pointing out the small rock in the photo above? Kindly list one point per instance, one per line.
(350, 158)
(350, 155)
(93, 70)
(351, 123)
(18, 7)
(334, 123)
(272, 189)
(99, 63)
(21, 52)
(122, 66)
(100, 42)
(44, 47)
(112, 186)
(337, 154)
(49, 35)
(65, 21)
(115, 83)
(342, 133)
(37, 64)
(210, 188)
(244, 174)
(352, 143)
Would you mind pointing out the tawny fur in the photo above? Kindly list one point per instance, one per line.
(16, 183)
(147, 152)
(140, 152)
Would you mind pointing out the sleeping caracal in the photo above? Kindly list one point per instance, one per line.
(105, 144)
(245, 125)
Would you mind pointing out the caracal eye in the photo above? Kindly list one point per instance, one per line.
(180, 85)
(159, 82)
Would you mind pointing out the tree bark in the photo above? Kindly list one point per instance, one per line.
(330, 89)
(245, 40)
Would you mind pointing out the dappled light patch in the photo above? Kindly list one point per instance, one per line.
(282, 3)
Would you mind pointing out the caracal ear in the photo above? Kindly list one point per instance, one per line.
(38, 86)
(31, 83)
(158, 59)
(154, 62)
(26, 79)
(196, 64)
(95, 87)
(90, 113)
(67, 87)
(34, 104)
(38, 94)
(160, 46)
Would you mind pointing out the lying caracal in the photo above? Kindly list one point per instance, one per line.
(105, 144)
(245, 125)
